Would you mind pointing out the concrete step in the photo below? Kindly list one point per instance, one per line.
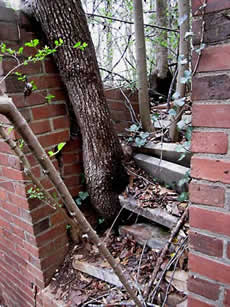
(153, 236)
(156, 215)
(94, 269)
(165, 172)
(166, 151)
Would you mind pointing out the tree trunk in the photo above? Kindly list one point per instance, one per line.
(184, 11)
(141, 67)
(162, 50)
(102, 153)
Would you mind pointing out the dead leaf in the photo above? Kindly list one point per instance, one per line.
(179, 280)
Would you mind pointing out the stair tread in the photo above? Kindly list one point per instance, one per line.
(166, 172)
(157, 215)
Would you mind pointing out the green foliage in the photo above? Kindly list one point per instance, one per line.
(80, 45)
(184, 196)
(35, 193)
(49, 98)
(68, 227)
(81, 197)
(139, 137)
(59, 148)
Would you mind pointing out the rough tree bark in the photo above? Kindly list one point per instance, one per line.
(102, 153)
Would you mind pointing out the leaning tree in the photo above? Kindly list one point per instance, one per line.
(102, 153)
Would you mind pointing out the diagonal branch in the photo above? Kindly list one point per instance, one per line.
(8, 109)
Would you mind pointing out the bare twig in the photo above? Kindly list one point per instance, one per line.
(131, 23)
(164, 251)
(167, 267)
(130, 107)
(174, 270)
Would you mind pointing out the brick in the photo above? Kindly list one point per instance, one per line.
(213, 59)
(212, 5)
(61, 123)
(10, 208)
(46, 183)
(59, 94)
(41, 226)
(217, 222)
(41, 213)
(3, 195)
(22, 224)
(228, 250)
(32, 68)
(212, 269)
(71, 158)
(192, 302)
(207, 194)
(20, 189)
(36, 98)
(4, 159)
(212, 88)
(75, 190)
(73, 146)
(56, 258)
(72, 181)
(40, 127)
(47, 111)
(9, 186)
(205, 244)
(54, 138)
(50, 66)
(49, 248)
(226, 298)
(20, 201)
(14, 162)
(8, 31)
(51, 234)
(72, 169)
(216, 29)
(7, 14)
(117, 94)
(12, 173)
(210, 142)
(211, 169)
(57, 218)
(13, 85)
(119, 116)
(47, 81)
(217, 117)
(11, 237)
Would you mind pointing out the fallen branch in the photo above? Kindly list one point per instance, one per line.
(160, 260)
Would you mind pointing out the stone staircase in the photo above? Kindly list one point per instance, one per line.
(161, 162)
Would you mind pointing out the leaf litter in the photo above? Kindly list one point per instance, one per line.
(75, 288)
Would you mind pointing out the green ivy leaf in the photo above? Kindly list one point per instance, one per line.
(83, 195)
(183, 196)
(60, 146)
(134, 128)
(140, 142)
(179, 102)
(172, 112)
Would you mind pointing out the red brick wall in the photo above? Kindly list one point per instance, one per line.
(120, 102)
(33, 239)
(209, 258)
